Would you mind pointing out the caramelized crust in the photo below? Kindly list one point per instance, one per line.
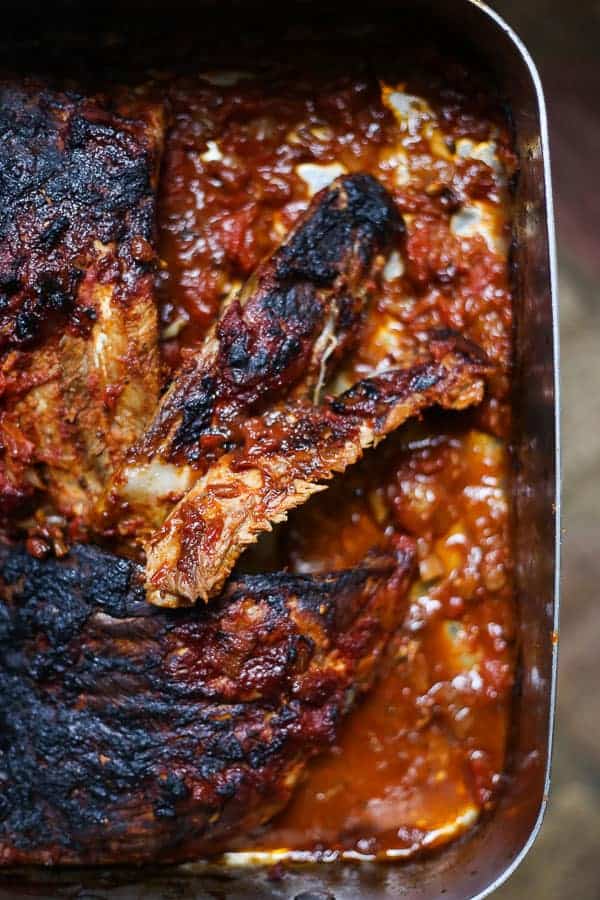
(132, 734)
(284, 458)
(79, 373)
(294, 318)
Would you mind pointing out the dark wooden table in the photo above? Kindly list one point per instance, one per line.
(564, 39)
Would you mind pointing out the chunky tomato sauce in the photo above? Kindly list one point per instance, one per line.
(421, 757)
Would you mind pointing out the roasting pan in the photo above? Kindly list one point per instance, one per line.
(479, 862)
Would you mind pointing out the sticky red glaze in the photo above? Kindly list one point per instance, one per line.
(420, 758)
(428, 744)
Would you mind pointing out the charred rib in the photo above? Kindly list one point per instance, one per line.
(133, 734)
(285, 457)
(294, 318)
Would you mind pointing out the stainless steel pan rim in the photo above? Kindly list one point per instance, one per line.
(552, 266)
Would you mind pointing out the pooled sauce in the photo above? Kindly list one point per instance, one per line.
(421, 756)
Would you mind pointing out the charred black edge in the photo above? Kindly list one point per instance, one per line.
(68, 189)
(355, 210)
(388, 386)
(92, 580)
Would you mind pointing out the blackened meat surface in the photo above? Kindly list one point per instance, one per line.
(133, 734)
(71, 173)
(79, 373)
(265, 341)
(296, 315)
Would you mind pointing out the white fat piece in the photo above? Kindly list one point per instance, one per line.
(394, 267)
(415, 118)
(324, 347)
(395, 160)
(212, 152)
(317, 177)
(485, 151)
(409, 111)
(154, 483)
(480, 218)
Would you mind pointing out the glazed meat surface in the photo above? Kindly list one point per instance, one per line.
(133, 734)
(79, 367)
(284, 458)
(295, 317)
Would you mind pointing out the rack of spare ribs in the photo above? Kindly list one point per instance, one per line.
(153, 704)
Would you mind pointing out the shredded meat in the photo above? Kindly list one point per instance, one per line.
(132, 734)
(79, 367)
(285, 457)
(295, 317)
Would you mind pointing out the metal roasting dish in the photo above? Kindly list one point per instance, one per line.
(483, 858)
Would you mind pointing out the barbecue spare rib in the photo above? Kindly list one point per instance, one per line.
(79, 363)
(292, 321)
(284, 456)
(130, 733)
(133, 734)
